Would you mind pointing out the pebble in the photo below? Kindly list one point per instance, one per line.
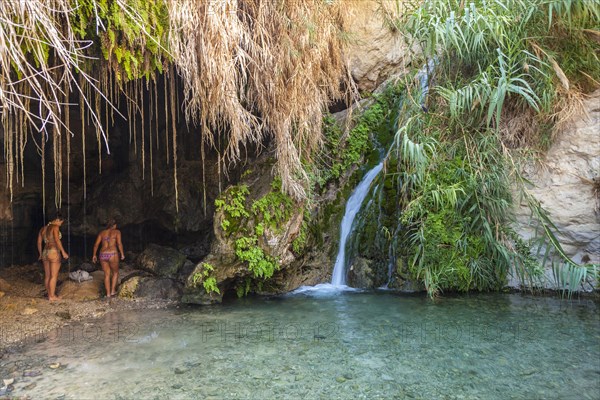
(29, 311)
(2, 294)
(340, 379)
(31, 374)
(180, 371)
(64, 314)
(54, 366)
(8, 381)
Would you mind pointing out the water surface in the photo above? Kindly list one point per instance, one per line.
(324, 345)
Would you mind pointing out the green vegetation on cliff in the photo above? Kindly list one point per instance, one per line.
(493, 61)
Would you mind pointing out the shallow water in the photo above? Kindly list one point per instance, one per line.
(325, 345)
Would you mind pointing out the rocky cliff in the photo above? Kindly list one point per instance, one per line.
(567, 185)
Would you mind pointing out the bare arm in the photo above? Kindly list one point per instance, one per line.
(120, 245)
(98, 240)
(39, 243)
(58, 242)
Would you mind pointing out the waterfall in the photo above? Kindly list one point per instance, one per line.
(352, 208)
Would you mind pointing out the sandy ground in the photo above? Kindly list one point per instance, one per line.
(25, 311)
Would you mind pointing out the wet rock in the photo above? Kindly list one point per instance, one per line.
(162, 261)
(360, 273)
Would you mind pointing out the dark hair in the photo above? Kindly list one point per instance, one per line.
(111, 221)
(59, 216)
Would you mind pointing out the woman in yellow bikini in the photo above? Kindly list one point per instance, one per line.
(50, 256)
(110, 238)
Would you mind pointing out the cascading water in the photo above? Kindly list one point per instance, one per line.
(352, 208)
(423, 78)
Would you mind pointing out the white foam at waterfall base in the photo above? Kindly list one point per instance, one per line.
(323, 290)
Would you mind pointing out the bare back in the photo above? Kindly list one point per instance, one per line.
(110, 239)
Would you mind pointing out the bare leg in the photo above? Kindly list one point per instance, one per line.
(47, 276)
(114, 267)
(106, 268)
(54, 268)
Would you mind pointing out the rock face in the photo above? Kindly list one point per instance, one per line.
(142, 198)
(567, 187)
(19, 224)
(375, 50)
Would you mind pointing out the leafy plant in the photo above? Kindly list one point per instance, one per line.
(272, 209)
(233, 204)
(261, 265)
(209, 282)
(453, 167)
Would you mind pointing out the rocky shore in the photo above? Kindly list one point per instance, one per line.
(26, 314)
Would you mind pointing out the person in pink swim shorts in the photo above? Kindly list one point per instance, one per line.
(110, 238)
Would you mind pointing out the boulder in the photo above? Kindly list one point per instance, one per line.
(151, 288)
(163, 261)
(273, 243)
(85, 290)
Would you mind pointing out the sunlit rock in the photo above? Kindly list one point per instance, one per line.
(566, 185)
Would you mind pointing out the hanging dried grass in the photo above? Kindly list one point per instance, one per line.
(256, 68)
(39, 57)
(250, 70)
